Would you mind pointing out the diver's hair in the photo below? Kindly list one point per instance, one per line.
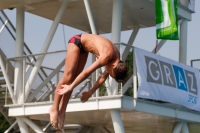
(121, 72)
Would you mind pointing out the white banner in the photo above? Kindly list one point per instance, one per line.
(163, 79)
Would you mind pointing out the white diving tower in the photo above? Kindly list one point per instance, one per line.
(112, 112)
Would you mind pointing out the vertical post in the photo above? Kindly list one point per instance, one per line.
(116, 33)
(134, 78)
(177, 127)
(117, 121)
(183, 42)
(51, 89)
(115, 37)
(18, 82)
(24, 77)
(116, 21)
(184, 128)
(45, 47)
(97, 75)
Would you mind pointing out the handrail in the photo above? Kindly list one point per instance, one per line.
(26, 47)
(45, 53)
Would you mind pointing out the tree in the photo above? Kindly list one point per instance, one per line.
(129, 62)
(4, 125)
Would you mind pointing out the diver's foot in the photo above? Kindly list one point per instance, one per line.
(61, 119)
(53, 117)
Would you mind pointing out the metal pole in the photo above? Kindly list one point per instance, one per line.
(24, 78)
(45, 47)
(117, 121)
(18, 82)
(130, 42)
(8, 130)
(183, 42)
(46, 127)
(22, 126)
(94, 31)
(135, 83)
(177, 127)
(184, 128)
(90, 17)
(115, 37)
(116, 21)
(32, 125)
(116, 33)
(1, 29)
(134, 78)
(52, 74)
(3, 69)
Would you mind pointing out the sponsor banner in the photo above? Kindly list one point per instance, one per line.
(164, 79)
(167, 19)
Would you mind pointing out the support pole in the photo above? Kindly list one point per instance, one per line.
(90, 17)
(130, 42)
(115, 37)
(45, 47)
(22, 126)
(94, 31)
(117, 121)
(177, 127)
(183, 42)
(4, 24)
(32, 125)
(116, 34)
(184, 128)
(10, 128)
(3, 69)
(116, 21)
(18, 76)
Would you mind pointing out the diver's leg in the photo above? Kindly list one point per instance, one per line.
(66, 97)
(71, 63)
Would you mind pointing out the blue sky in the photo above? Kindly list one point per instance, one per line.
(36, 31)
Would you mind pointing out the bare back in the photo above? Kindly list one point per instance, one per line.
(100, 47)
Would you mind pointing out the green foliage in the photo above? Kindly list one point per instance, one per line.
(4, 125)
(102, 90)
(129, 62)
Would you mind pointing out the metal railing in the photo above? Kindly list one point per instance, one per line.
(44, 84)
(195, 63)
(52, 65)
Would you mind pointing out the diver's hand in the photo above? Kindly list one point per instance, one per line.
(85, 96)
(65, 89)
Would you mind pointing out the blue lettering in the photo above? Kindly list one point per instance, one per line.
(180, 78)
(192, 99)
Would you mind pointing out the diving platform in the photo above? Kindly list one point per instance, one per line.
(29, 95)
(137, 115)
